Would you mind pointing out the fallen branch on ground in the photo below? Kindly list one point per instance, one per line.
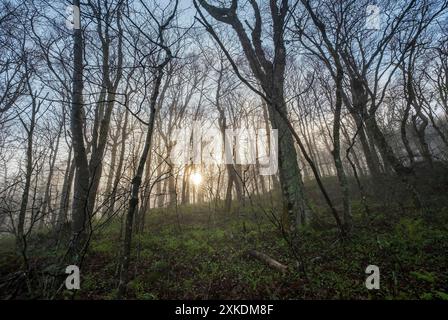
(267, 260)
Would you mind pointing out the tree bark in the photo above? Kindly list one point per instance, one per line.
(66, 190)
(336, 152)
(271, 75)
(137, 180)
(81, 188)
(28, 173)
(267, 260)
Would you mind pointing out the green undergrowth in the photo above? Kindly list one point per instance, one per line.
(199, 254)
(202, 258)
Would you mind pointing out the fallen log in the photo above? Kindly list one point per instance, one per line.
(267, 260)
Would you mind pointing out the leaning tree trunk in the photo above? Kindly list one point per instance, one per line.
(357, 111)
(135, 187)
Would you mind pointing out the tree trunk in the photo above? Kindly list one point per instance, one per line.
(47, 196)
(271, 76)
(110, 176)
(336, 152)
(359, 108)
(119, 169)
(66, 189)
(81, 187)
(290, 176)
(28, 174)
(135, 186)
(267, 260)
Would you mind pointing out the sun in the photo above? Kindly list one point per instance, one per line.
(196, 178)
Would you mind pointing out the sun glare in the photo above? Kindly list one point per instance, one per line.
(196, 178)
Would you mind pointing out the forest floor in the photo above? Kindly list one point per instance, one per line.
(196, 253)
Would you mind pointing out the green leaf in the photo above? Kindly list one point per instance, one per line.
(425, 276)
(442, 295)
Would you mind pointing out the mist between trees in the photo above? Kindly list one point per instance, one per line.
(317, 117)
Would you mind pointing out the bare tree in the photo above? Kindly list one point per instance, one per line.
(137, 180)
(271, 76)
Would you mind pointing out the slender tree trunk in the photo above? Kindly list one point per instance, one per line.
(159, 199)
(359, 108)
(185, 185)
(336, 152)
(118, 173)
(104, 119)
(110, 176)
(81, 188)
(66, 190)
(28, 175)
(404, 136)
(47, 196)
(384, 147)
(135, 187)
